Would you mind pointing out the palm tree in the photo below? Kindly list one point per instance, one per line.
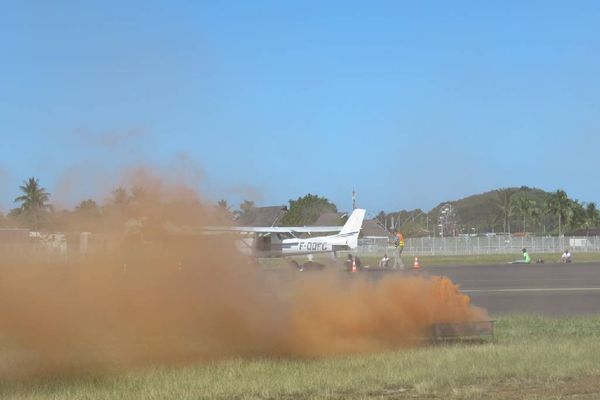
(491, 220)
(86, 205)
(535, 215)
(222, 205)
(592, 216)
(119, 197)
(524, 206)
(246, 209)
(222, 208)
(558, 204)
(576, 214)
(34, 201)
(506, 204)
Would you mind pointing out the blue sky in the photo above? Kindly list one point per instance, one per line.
(408, 103)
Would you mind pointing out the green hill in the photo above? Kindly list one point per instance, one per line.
(476, 214)
(483, 212)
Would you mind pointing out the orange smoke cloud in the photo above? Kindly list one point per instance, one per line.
(332, 316)
(158, 291)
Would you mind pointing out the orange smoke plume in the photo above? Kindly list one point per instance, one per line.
(155, 290)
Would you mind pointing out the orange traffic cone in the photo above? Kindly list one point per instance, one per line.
(353, 265)
(416, 264)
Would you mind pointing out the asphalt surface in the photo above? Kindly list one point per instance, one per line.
(547, 289)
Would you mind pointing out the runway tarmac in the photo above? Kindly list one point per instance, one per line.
(548, 289)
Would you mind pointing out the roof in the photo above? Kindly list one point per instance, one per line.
(585, 232)
(331, 219)
(372, 228)
(262, 216)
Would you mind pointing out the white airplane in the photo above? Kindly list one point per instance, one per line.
(283, 241)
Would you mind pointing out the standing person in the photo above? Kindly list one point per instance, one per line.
(399, 243)
(358, 263)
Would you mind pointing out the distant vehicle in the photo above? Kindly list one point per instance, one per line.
(271, 241)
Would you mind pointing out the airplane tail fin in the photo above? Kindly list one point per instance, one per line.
(354, 223)
(352, 227)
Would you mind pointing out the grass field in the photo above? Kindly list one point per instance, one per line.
(531, 357)
(498, 259)
(483, 259)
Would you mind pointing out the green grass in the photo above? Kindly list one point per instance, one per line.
(498, 258)
(483, 259)
(532, 357)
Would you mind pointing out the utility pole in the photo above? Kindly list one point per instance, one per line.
(353, 199)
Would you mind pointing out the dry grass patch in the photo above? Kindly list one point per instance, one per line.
(532, 357)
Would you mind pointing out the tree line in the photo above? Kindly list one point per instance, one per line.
(569, 214)
(506, 210)
(511, 210)
(302, 211)
(35, 212)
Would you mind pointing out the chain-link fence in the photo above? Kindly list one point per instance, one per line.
(477, 245)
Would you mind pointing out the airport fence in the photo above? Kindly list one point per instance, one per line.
(480, 245)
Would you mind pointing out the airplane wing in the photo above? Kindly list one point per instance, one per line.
(274, 229)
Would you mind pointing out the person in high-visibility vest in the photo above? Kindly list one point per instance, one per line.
(400, 240)
(399, 243)
(525, 260)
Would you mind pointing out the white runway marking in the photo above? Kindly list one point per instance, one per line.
(530, 290)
